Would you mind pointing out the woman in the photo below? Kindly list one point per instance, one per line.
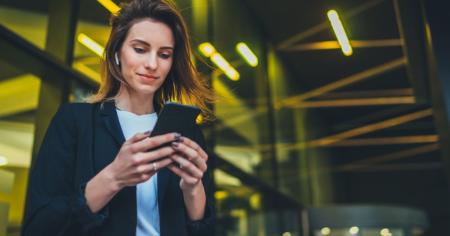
(87, 180)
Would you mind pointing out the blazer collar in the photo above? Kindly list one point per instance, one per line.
(111, 121)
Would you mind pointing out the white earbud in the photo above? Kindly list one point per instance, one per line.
(117, 59)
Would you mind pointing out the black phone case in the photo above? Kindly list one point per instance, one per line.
(175, 117)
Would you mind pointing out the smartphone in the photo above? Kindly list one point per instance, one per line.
(176, 117)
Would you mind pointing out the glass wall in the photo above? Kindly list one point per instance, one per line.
(263, 192)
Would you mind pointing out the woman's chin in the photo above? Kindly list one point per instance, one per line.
(147, 90)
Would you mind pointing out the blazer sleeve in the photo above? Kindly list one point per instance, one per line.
(204, 226)
(54, 204)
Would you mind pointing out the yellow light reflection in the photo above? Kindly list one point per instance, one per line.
(247, 54)
(109, 5)
(223, 64)
(325, 231)
(83, 68)
(255, 201)
(199, 119)
(346, 81)
(381, 101)
(339, 31)
(354, 230)
(206, 49)
(3, 161)
(91, 44)
(220, 195)
(370, 128)
(385, 232)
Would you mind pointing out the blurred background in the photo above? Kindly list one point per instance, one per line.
(332, 116)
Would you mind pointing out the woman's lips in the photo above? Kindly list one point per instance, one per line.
(148, 77)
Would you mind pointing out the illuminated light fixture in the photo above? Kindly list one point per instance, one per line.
(223, 64)
(287, 234)
(346, 81)
(87, 71)
(109, 5)
(3, 161)
(91, 44)
(247, 54)
(338, 29)
(354, 230)
(207, 49)
(220, 195)
(325, 231)
(385, 232)
(371, 128)
(382, 101)
(255, 201)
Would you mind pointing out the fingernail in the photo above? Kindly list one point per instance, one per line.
(177, 136)
(175, 144)
(147, 132)
(181, 139)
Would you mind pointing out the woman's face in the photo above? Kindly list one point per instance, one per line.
(146, 56)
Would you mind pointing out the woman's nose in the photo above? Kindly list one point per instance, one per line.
(151, 62)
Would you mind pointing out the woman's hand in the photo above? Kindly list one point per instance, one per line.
(134, 164)
(191, 160)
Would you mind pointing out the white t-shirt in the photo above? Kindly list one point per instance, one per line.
(147, 192)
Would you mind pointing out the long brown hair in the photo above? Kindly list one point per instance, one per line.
(183, 83)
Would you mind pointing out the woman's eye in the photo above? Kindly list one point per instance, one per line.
(165, 55)
(139, 50)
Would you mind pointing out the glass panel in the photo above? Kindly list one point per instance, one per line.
(242, 210)
(27, 19)
(92, 29)
(243, 129)
(355, 231)
(18, 100)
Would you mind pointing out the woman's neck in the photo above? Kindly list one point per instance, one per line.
(131, 101)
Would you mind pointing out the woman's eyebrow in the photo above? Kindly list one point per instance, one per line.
(148, 45)
(167, 47)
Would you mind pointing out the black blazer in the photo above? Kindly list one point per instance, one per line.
(80, 141)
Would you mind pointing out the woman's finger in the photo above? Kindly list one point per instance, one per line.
(183, 174)
(187, 166)
(192, 155)
(185, 150)
(189, 142)
(154, 167)
(200, 163)
(137, 137)
(151, 156)
(153, 142)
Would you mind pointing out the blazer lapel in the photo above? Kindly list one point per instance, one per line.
(111, 121)
(127, 195)
(163, 179)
